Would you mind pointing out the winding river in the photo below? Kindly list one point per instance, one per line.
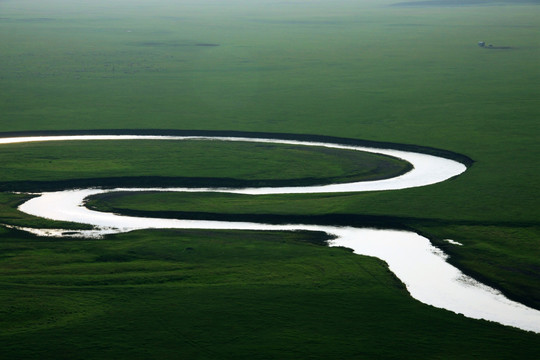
(418, 264)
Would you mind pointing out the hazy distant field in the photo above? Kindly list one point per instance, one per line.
(408, 75)
(355, 69)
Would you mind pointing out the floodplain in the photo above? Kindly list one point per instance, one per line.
(351, 69)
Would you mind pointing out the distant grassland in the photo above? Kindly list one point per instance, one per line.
(352, 69)
(359, 70)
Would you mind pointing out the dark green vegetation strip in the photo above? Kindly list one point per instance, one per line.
(250, 134)
(139, 163)
(221, 295)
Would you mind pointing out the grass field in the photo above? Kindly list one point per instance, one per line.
(218, 295)
(353, 69)
(45, 166)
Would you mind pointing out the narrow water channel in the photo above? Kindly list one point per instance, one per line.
(417, 263)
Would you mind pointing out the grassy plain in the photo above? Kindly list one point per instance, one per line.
(353, 69)
(220, 295)
(46, 166)
(362, 70)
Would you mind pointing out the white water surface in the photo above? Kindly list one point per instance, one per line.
(417, 263)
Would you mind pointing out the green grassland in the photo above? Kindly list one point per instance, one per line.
(352, 69)
(219, 295)
(361, 70)
(46, 166)
(503, 253)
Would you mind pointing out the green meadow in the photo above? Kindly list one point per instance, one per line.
(363, 70)
(223, 294)
(40, 166)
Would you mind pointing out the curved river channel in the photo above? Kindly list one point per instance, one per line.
(411, 257)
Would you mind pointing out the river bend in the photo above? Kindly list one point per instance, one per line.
(411, 257)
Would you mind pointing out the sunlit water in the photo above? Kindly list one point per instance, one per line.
(418, 264)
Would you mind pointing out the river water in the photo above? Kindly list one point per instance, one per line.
(411, 257)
